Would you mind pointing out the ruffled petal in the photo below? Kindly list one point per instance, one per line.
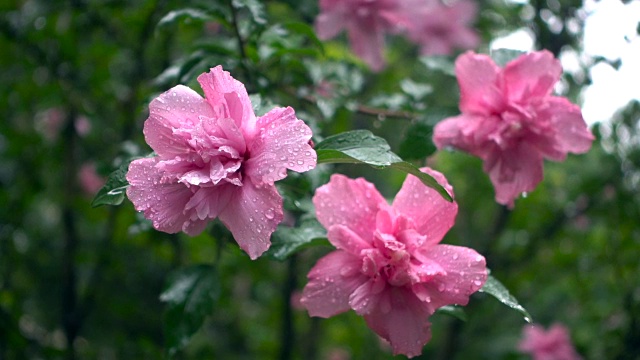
(178, 108)
(531, 76)
(570, 132)
(162, 203)
(403, 322)
(431, 213)
(465, 272)
(252, 215)
(331, 281)
(466, 132)
(348, 202)
(514, 171)
(343, 238)
(477, 76)
(282, 143)
(228, 98)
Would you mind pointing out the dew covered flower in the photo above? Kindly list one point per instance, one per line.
(511, 120)
(554, 344)
(389, 266)
(440, 28)
(366, 22)
(215, 158)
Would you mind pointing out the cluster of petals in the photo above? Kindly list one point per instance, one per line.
(216, 159)
(554, 344)
(511, 120)
(389, 265)
(437, 27)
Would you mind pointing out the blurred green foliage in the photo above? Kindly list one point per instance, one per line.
(83, 282)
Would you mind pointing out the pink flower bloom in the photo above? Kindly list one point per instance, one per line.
(366, 22)
(216, 159)
(389, 266)
(89, 179)
(511, 121)
(554, 344)
(441, 28)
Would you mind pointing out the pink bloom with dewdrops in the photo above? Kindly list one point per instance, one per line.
(216, 159)
(389, 265)
(366, 23)
(441, 28)
(554, 344)
(511, 120)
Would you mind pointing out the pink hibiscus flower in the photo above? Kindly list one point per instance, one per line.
(389, 266)
(366, 22)
(554, 344)
(216, 159)
(511, 121)
(440, 28)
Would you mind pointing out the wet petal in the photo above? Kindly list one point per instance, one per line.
(348, 202)
(570, 130)
(477, 76)
(367, 42)
(282, 143)
(405, 324)
(162, 203)
(431, 213)
(331, 282)
(229, 99)
(465, 272)
(343, 238)
(252, 215)
(531, 76)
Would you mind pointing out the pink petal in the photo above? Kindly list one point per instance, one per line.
(531, 76)
(162, 203)
(228, 98)
(571, 132)
(282, 143)
(514, 171)
(178, 108)
(405, 324)
(348, 202)
(367, 41)
(477, 76)
(343, 238)
(465, 132)
(365, 298)
(329, 25)
(432, 214)
(331, 281)
(252, 215)
(465, 272)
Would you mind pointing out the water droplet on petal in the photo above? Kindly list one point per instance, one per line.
(455, 256)
(270, 214)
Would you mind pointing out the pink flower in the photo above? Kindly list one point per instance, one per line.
(441, 28)
(216, 159)
(554, 344)
(389, 266)
(511, 121)
(89, 179)
(366, 22)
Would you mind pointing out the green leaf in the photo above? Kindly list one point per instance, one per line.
(362, 147)
(495, 288)
(417, 144)
(453, 310)
(286, 240)
(444, 64)
(502, 56)
(187, 13)
(113, 191)
(255, 7)
(190, 296)
(297, 27)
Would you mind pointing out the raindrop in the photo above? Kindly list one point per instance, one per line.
(477, 283)
(300, 162)
(250, 219)
(441, 287)
(455, 256)
(269, 214)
